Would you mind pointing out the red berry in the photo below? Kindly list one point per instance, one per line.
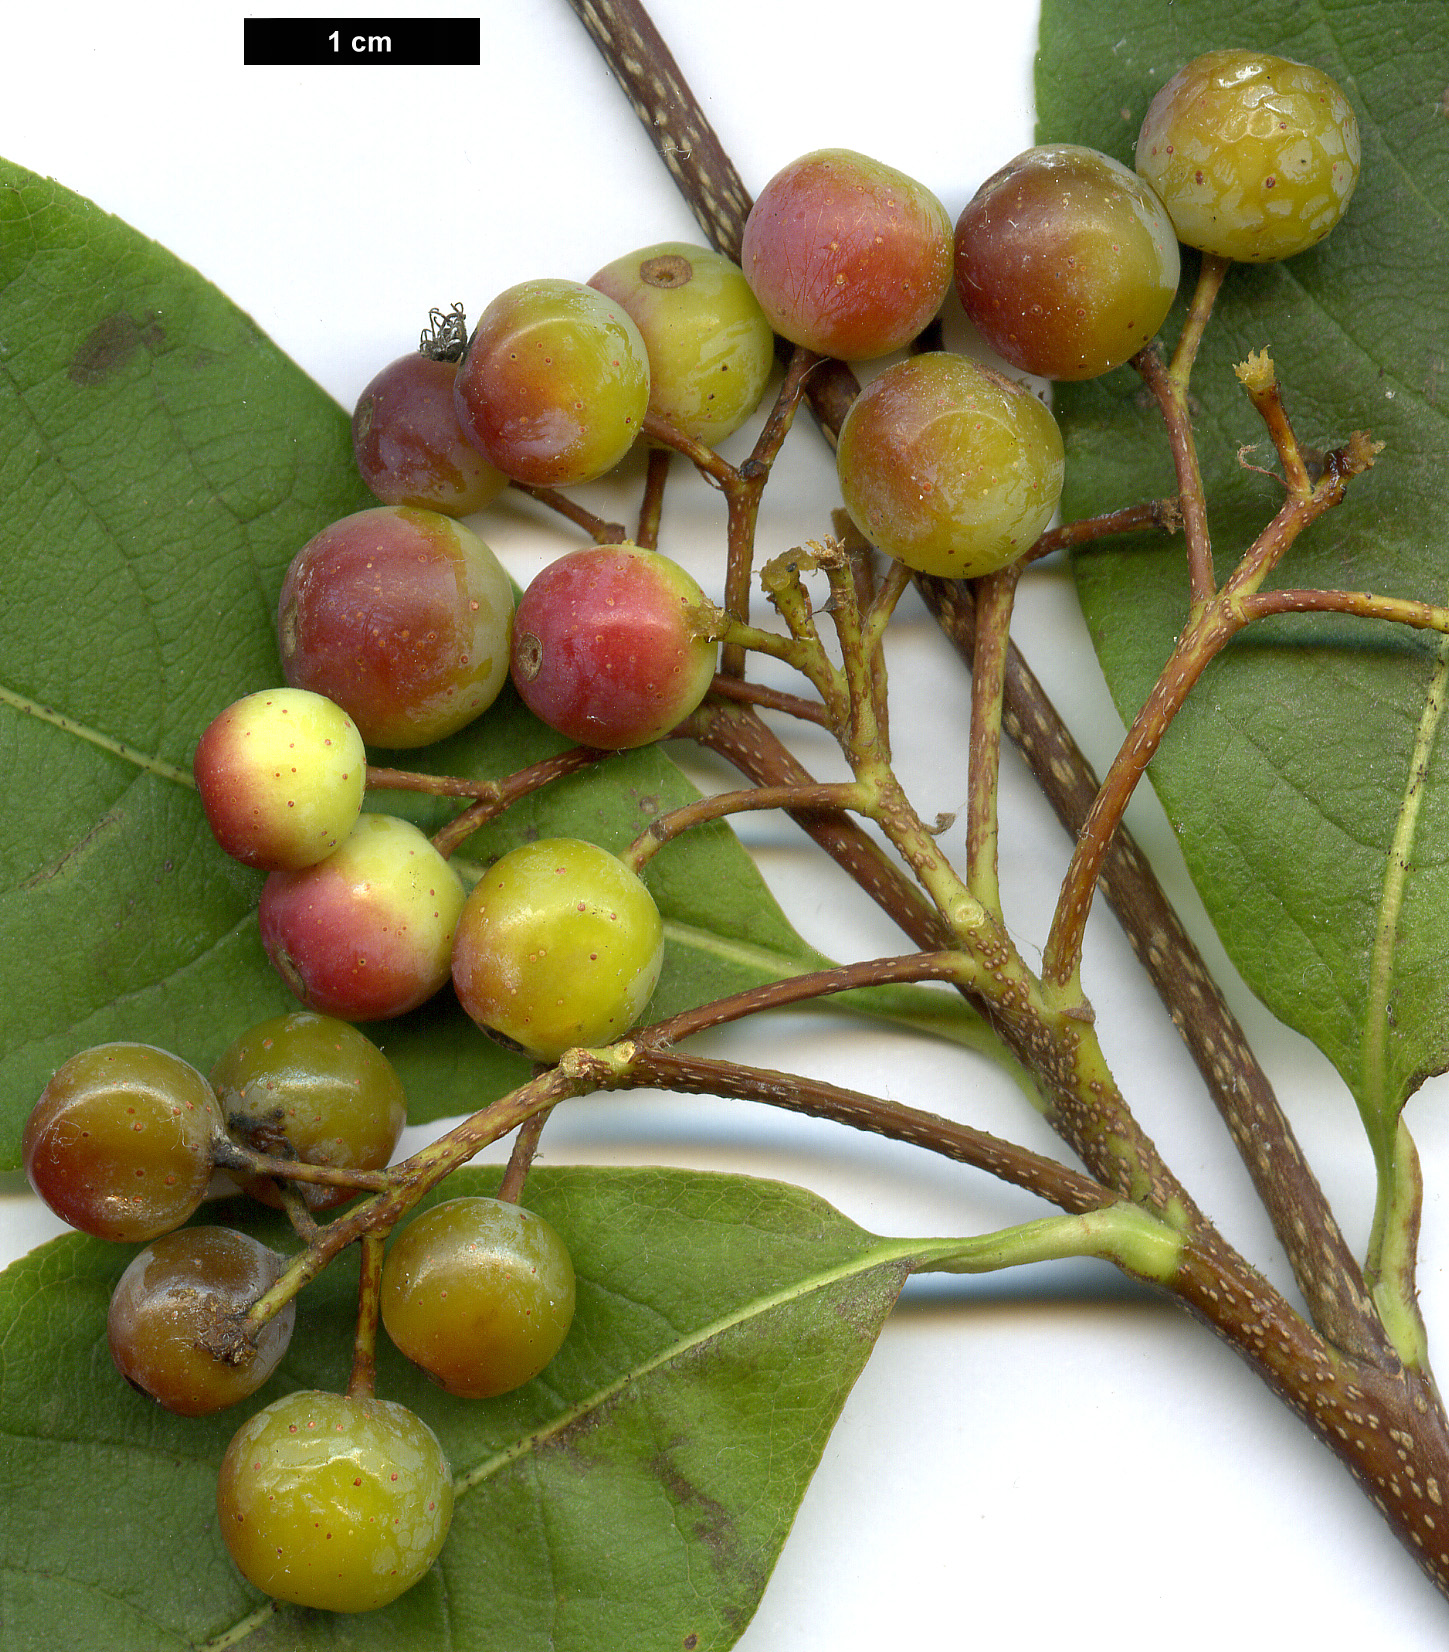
(605, 648)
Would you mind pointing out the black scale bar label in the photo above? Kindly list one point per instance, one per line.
(410, 40)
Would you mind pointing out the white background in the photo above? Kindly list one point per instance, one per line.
(1027, 1461)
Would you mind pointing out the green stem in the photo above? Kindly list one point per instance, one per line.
(1125, 1234)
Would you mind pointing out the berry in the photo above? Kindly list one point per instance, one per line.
(479, 1293)
(183, 1288)
(554, 385)
(403, 618)
(949, 466)
(407, 443)
(604, 647)
(281, 775)
(334, 1501)
(365, 934)
(120, 1143)
(1066, 262)
(846, 255)
(313, 1088)
(710, 347)
(1255, 157)
(559, 944)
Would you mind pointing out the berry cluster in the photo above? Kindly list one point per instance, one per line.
(478, 1292)
(397, 628)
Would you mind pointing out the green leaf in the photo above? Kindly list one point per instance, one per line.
(634, 1495)
(1292, 777)
(161, 464)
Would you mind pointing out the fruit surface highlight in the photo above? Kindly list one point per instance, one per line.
(710, 347)
(408, 445)
(365, 934)
(847, 256)
(1066, 262)
(314, 1088)
(184, 1287)
(281, 775)
(555, 383)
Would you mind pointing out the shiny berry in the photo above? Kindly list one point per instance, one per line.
(311, 1087)
(711, 350)
(846, 255)
(334, 1501)
(407, 443)
(402, 617)
(555, 383)
(479, 1293)
(559, 944)
(176, 1297)
(120, 1143)
(949, 466)
(1255, 157)
(281, 775)
(605, 648)
(366, 933)
(1066, 262)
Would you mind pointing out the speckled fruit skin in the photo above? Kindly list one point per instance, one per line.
(846, 255)
(408, 446)
(604, 648)
(1255, 157)
(312, 1087)
(560, 944)
(1066, 262)
(711, 350)
(281, 775)
(365, 934)
(554, 385)
(402, 617)
(183, 1286)
(334, 1501)
(479, 1293)
(949, 466)
(120, 1143)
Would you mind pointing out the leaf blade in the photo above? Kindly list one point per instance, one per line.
(721, 1324)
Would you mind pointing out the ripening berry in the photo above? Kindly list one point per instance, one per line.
(281, 775)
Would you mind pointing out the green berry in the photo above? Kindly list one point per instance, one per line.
(314, 1088)
(949, 466)
(1255, 157)
(480, 1293)
(711, 350)
(559, 944)
(334, 1501)
(555, 384)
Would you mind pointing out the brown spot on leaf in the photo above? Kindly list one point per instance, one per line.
(110, 345)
